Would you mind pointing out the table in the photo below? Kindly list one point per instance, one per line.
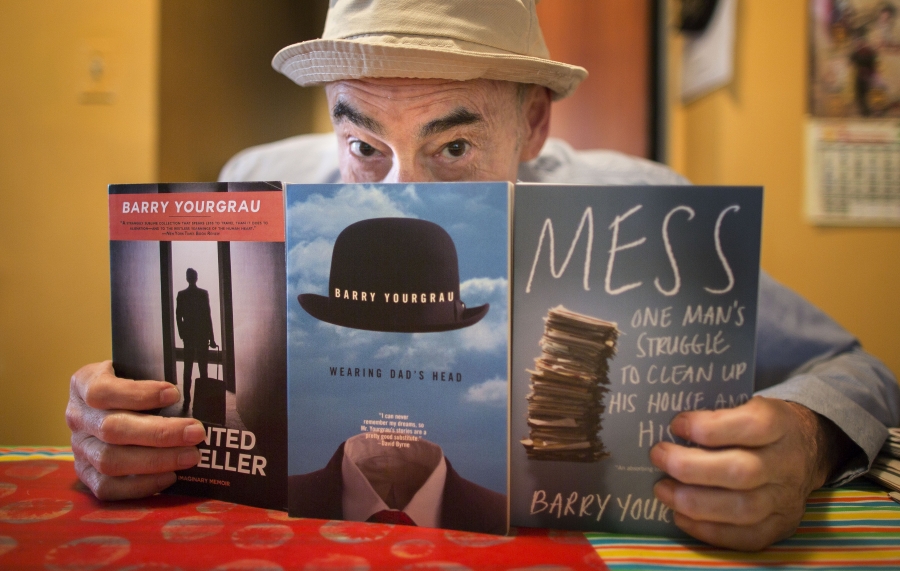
(854, 527)
(48, 520)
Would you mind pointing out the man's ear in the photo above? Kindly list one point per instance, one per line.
(535, 122)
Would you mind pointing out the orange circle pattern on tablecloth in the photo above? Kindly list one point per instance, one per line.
(354, 531)
(412, 548)
(31, 511)
(280, 516)
(338, 562)
(7, 544)
(191, 528)
(7, 489)
(49, 521)
(469, 539)
(215, 507)
(262, 536)
(116, 514)
(87, 553)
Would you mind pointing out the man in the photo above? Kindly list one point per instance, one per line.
(194, 322)
(433, 90)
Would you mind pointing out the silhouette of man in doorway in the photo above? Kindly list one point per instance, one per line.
(195, 329)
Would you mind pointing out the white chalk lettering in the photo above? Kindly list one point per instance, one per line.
(616, 248)
(669, 254)
(718, 240)
(547, 229)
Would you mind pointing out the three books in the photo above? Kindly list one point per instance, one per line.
(460, 355)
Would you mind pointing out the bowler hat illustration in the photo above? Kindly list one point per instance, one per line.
(396, 275)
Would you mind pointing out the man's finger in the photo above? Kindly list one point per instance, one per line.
(98, 386)
(757, 423)
(716, 504)
(122, 487)
(731, 468)
(114, 460)
(123, 427)
(137, 429)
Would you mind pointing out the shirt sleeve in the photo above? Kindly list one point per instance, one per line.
(804, 356)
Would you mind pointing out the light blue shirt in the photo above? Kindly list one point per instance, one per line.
(802, 355)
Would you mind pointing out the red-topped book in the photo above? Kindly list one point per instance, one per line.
(198, 283)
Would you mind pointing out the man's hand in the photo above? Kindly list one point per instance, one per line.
(121, 454)
(747, 488)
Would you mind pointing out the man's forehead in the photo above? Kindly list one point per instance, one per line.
(401, 82)
(430, 105)
(400, 89)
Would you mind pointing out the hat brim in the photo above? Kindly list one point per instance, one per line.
(330, 311)
(322, 61)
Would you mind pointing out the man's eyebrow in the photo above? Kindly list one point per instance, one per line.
(457, 117)
(343, 110)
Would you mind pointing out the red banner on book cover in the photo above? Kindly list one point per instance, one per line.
(211, 216)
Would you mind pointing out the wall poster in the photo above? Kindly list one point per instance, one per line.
(853, 131)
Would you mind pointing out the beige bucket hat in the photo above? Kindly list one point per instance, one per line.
(435, 39)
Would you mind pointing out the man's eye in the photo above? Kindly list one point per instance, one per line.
(455, 149)
(362, 149)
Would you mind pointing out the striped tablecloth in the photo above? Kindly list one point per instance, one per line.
(8, 454)
(854, 527)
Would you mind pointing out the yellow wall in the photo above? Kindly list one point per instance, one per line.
(752, 133)
(218, 93)
(56, 156)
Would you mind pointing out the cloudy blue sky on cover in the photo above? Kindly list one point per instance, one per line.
(467, 419)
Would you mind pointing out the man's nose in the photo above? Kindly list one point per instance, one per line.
(409, 170)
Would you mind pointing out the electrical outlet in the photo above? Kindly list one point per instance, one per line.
(97, 72)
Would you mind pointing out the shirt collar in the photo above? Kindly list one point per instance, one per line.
(360, 500)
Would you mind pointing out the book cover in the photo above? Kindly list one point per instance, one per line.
(197, 287)
(630, 305)
(397, 305)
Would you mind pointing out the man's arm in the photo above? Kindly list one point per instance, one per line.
(121, 454)
(746, 488)
(804, 356)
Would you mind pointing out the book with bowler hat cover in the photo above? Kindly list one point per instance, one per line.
(398, 339)
(631, 304)
(197, 288)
